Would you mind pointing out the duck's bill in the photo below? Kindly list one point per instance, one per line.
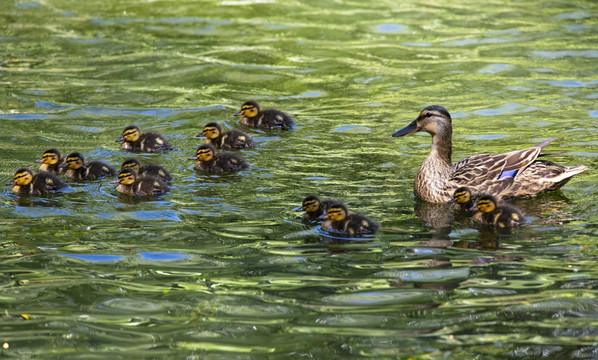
(39, 160)
(411, 128)
(114, 181)
(120, 139)
(12, 182)
(199, 135)
(192, 158)
(299, 208)
(239, 113)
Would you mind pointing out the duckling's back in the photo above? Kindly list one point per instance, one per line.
(97, 169)
(508, 216)
(150, 142)
(155, 171)
(357, 224)
(45, 182)
(235, 139)
(271, 119)
(149, 185)
(227, 162)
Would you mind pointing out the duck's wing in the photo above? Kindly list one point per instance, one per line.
(485, 169)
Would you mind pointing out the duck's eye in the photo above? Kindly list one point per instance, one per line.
(428, 114)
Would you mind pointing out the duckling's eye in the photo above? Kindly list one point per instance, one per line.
(428, 114)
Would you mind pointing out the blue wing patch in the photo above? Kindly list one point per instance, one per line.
(510, 173)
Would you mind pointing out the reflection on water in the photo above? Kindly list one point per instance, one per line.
(220, 266)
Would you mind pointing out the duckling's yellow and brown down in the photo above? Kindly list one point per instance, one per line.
(339, 220)
(253, 116)
(489, 211)
(77, 169)
(133, 139)
(147, 170)
(27, 183)
(51, 161)
(315, 209)
(207, 159)
(232, 139)
(131, 183)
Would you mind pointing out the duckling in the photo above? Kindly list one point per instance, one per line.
(134, 139)
(463, 199)
(233, 139)
(209, 161)
(491, 212)
(27, 183)
(339, 220)
(147, 170)
(77, 168)
(266, 119)
(132, 184)
(315, 208)
(50, 162)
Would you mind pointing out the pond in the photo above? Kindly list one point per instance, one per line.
(222, 266)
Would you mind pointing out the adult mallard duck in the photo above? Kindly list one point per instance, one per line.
(263, 119)
(27, 183)
(232, 139)
(514, 174)
(491, 212)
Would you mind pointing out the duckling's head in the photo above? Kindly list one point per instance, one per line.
(49, 157)
(434, 120)
(22, 177)
(462, 195)
(127, 176)
(74, 161)
(204, 152)
(211, 130)
(310, 204)
(337, 212)
(486, 203)
(249, 109)
(130, 134)
(131, 163)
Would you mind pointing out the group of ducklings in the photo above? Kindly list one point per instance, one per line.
(487, 209)
(150, 179)
(336, 216)
(134, 179)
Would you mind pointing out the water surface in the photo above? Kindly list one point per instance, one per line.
(221, 267)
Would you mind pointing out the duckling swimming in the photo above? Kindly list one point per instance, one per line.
(131, 183)
(266, 119)
(134, 139)
(147, 170)
(491, 212)
(340, 221)
(315, 208)
(232, 139)
(208, 160)
(463, 199)
(27, 183)
(77, 168)
(50, 162)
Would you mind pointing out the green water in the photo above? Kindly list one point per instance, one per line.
(222, 267)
